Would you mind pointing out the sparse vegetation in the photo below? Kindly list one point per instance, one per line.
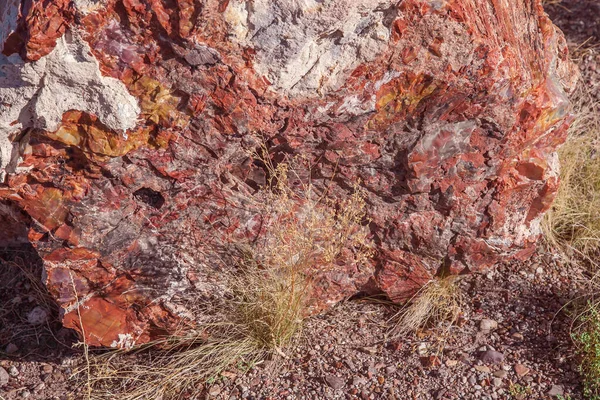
(269, 282)
(586, 335)
(518, 391)
(572, 226)
(437, 302)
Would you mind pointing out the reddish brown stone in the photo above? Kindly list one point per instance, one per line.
(40, 23)
(448, 113)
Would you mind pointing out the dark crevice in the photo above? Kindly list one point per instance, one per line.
(150, 197)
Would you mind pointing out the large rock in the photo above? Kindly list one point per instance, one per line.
(125, 127)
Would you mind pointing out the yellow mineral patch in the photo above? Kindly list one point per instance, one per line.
(400, 97)
(236, 17)
(91, 136)
(157, 102)
(67, 136)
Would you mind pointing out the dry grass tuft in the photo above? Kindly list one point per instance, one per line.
(268, 287)
(439, 301)
(572, 225)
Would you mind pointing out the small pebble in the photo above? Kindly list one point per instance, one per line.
(492, 357)
(214, 390)
(4, 377)
(334, 382)
(483, 368)
(451, 363)
(556, 390)
(487, 325)
(521, 370)
(37, 316)
(500, 373)
(359, 381)
(11, 348)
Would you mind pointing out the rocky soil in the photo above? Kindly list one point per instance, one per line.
(512, 342)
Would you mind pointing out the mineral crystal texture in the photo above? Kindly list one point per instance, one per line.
(126, 128)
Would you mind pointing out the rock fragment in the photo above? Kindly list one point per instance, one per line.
(492, 357)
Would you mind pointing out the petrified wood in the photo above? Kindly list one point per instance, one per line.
(125, 129)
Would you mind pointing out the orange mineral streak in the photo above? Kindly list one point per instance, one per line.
(101, 320)
(43, 22)
(401, 97)
(99, 299)
(46, 206)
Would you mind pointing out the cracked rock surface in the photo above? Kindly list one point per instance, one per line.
(125, 128)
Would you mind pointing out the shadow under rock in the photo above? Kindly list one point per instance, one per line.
(30, 328)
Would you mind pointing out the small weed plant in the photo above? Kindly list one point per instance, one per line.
(518, 391)
(586, 336)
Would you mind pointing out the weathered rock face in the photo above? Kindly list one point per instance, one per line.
(125, 127)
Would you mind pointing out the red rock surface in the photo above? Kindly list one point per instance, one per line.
(449, 113)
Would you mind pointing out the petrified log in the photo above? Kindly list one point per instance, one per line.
(125, 127)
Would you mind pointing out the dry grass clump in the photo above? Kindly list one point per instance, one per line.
(437, 302)
(572, 225)
(304, 233)
(268, 285)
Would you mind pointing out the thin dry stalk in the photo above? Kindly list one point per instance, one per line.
(557, 3)
(84, 344)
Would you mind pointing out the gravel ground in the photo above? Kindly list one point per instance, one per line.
(512, 341)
